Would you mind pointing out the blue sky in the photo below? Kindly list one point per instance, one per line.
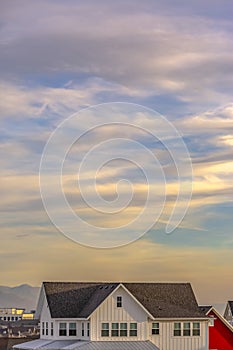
(58, 57)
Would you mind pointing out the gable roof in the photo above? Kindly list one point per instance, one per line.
(230, 303)
(162, 300)
(74, 299)
(166, 300)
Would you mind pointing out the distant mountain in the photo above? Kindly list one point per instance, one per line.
(24, 296)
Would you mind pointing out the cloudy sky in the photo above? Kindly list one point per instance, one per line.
(58, 57)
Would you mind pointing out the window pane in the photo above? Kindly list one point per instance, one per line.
(196, 329)
(155, 328)
(62, 329)
(186, 329)
(123, 329)
(72, 329)
(119, 301)
(105, 330)
(133, 329)
(115, 329)
(177, 329)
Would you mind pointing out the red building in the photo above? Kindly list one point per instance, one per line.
(220, 331)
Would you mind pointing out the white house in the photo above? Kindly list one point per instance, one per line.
(119, 316)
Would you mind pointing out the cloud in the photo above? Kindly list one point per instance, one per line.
(188, 55)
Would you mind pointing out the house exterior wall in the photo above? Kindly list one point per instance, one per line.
(167, 341)
(220, 336)
(108, 312)
(130, 312)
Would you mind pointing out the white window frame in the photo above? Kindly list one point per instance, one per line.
(155, 328)
(119, 301)
(105, 329)
(72, 329)
(133, 332)
(194, 327)
(61, 329)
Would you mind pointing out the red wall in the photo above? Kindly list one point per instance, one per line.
(220, 336)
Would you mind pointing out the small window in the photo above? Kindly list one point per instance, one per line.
(47, 328)
(105, 330)
(186, 329)
(119, 301)
(133, 332)
(123, 329)
(155, 328)
(72, 329)
(83, 329)
(51, 329)
(115, 330)
(88, 329)
(12, 318)
(177, 329)
(196, 329)
(42, 328)
(62, 329)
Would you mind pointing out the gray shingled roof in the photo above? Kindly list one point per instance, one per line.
(162, 300)
(205, 308)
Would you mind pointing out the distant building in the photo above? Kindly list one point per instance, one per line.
(15, 314)
(110, 316)
(228, 314)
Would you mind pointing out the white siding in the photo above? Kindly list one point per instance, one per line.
(166, 340)
(129, 312)
(45, 317)
(78, 329)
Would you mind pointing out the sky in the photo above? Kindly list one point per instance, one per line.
(173, 57)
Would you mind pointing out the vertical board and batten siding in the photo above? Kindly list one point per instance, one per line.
(45, 317)
(129, 312)
(166, 340)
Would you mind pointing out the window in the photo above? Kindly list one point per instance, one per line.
(123, 329)
(177, 329)
(42, 328)
(51, 329)
(155, 328)
(115, 330)
(105, 330)
(196, 328)
(133, 332)
(88, 329)
(186, 329)
(72, 329)
(12, 318)
(47, 328)
(119, 301)
(83, 329)
(62, 329)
